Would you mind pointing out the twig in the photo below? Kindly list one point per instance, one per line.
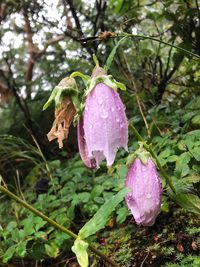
(144, 259)
(139, 36)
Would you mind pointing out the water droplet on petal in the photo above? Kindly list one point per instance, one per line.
(119, 108)
(104, 115)
(86, 108)
(117, 120)
(100, 101)
(148, 196)
(112, 109)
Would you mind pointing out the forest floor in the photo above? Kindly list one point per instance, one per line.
(174, 241)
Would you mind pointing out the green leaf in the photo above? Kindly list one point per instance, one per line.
(122, 214)
(52, 250)
(112, 54)
(99, 220)
(96, 191)
(192, 178)
(118, 5)
(95, 59)
(80, 249)
(9, 253)
(21, 249)
(182, 168)
(196, 120)
(188, 201)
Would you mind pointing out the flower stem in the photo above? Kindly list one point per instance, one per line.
(54, 223)
(156, 40)
(150, 150)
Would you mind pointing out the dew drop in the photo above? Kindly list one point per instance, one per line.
(148, 196)
(121, 125)
(100, 101)
(86, 108)
(117, 120)
(119, 108)
(104, 115)
(112, 109)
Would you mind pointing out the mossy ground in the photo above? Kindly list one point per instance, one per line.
(173, 241)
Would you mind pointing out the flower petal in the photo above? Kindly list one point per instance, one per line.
(144, 200)
(88, 161)
(105, 124)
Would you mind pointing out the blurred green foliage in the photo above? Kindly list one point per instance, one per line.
(162, 100)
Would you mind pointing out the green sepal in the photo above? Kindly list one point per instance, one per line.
(131, 157)
(106, 79)
(80, 249)
(74, 74)
(59, 92)
(140, 153)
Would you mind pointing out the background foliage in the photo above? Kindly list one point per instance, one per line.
(40, 45)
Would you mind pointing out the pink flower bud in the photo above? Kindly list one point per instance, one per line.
(103, 128)
(144, 199)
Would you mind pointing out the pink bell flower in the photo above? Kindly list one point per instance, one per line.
(144, 199)
(103, 127)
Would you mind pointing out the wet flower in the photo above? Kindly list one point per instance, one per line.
(144, 199)
(103, 127)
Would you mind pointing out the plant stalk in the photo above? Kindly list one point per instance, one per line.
(150, 150)
(54, 223)
(156, 40)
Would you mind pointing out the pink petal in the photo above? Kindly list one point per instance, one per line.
(144, 200)
(89, 162)
(105, 124)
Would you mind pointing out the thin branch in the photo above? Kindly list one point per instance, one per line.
(76, 19)
(138, 36)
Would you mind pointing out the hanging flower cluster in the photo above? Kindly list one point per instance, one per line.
(102, 129)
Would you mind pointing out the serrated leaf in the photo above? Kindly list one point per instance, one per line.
(99, 220)
(80, 249)
(188, 201)
(192, 178)
(9, 253)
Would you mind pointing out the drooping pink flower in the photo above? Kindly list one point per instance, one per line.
(103, 127)
(144, 199)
